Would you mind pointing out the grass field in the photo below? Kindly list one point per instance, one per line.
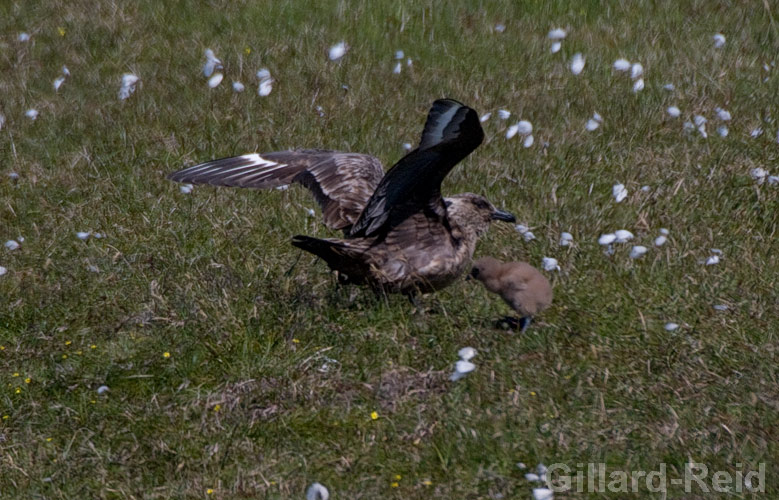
(236, 369)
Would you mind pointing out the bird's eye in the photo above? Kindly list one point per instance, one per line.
(482, 204)
(475, 272)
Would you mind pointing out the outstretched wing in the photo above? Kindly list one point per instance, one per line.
(413, 184)
(342, 183)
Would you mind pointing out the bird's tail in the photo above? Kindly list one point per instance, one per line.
(340, 255)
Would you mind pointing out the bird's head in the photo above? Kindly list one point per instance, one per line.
(473, 213)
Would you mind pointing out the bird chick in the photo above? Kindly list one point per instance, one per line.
(519, 284)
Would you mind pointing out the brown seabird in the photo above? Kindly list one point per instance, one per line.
(519, 284)
(400, 235)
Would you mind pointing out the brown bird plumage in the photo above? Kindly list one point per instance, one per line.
(400, 234)
(519, 284)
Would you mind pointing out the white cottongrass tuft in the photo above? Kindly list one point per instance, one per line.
(621, 65)
(669, 327)
(485, 117)
(555, 48)
(700, 122)
(713, 260)
(669, 87)
(664, 231)
(722, 130)
(719, 40)
(500, 28)
(102, 389)
(266, 82)
(566, 239)
(542, 494)
(2, 120)
(58, 83)
(756, 132)
(238, 87)
(638, 251)
(638, 86)
(3, 270)
(212, 63)
(661, 240)
(636, 71)
(337, 51)
(12, 245)
(577, 63)
(557, 34)
(31, 113)
(461, 369)
(528, 236)
(399, 54)
(83, 235)
(550, 264)
(594, 122)
(607, 239)
(466, 353)
(773, 179)
(532, 476)
(529, 140)
(23, 37)
(504, 114)
(512, 131)
(623, 236)
(215, 80)
(721, 307)
(525, 127)
(619, 192)
(397, 69)
(759, 174)
(673, 111)
(129, 82)
(407, 146)
(723, 114)
(317, 492)
(186, 188)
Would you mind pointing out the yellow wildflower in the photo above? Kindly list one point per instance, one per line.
(27, 380)
(374, 415)
(61, 31)
(166, 354)
(394, 485)
(217, 407)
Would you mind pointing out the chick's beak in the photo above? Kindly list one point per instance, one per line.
(504, 216)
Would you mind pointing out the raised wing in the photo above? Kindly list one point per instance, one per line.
(342, 183)
(413, 184)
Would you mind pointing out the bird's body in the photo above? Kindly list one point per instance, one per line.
(400, 235)
(519, 284)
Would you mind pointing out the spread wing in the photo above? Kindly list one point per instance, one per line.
(342, 183)
(413, 184)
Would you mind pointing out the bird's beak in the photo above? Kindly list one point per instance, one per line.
(504, 216)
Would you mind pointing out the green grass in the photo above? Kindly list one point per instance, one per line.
(241, 406)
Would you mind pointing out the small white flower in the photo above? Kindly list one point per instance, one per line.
(673, 111)
(759, 174)
(664, 231)
(521, 466)
(550, 264)
(485, 117)
(531, 476)
(521, 228)
(102, 389)
(592, 125)
(699, 120)
(597, 117)
(722, 130)
(32, 114)
(713, 260)
(645, 189)
(577, 63)
(607, 239)
(20, 239)
(756, 132)
(407, 146)
(23, 37)
(317, 492)
(512, 131)
(398, 68)
(399, 54)
(212, 63)
(621, 65)
(619, 191)
(58, 83)
(12, 245)
(722, 114)
(83, 235)
(310, 212)
(669, 327)
(461, 369)
(128, 85)
(557, 34)
(637, 251)
(186, 188)
(636, 71)
(660, 240)
(542, 494)
(504, 114)
(719, 40)
(337, 51)
(566, 239)
(623, 236)
(529, 140)
(528, 236)
(3, 270)
(215, 80)
(555, 48)
(500, 28)
(238, 87)
(525, 127)
(466, 353)
(638, 86)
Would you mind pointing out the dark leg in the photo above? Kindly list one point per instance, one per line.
(524, 322)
